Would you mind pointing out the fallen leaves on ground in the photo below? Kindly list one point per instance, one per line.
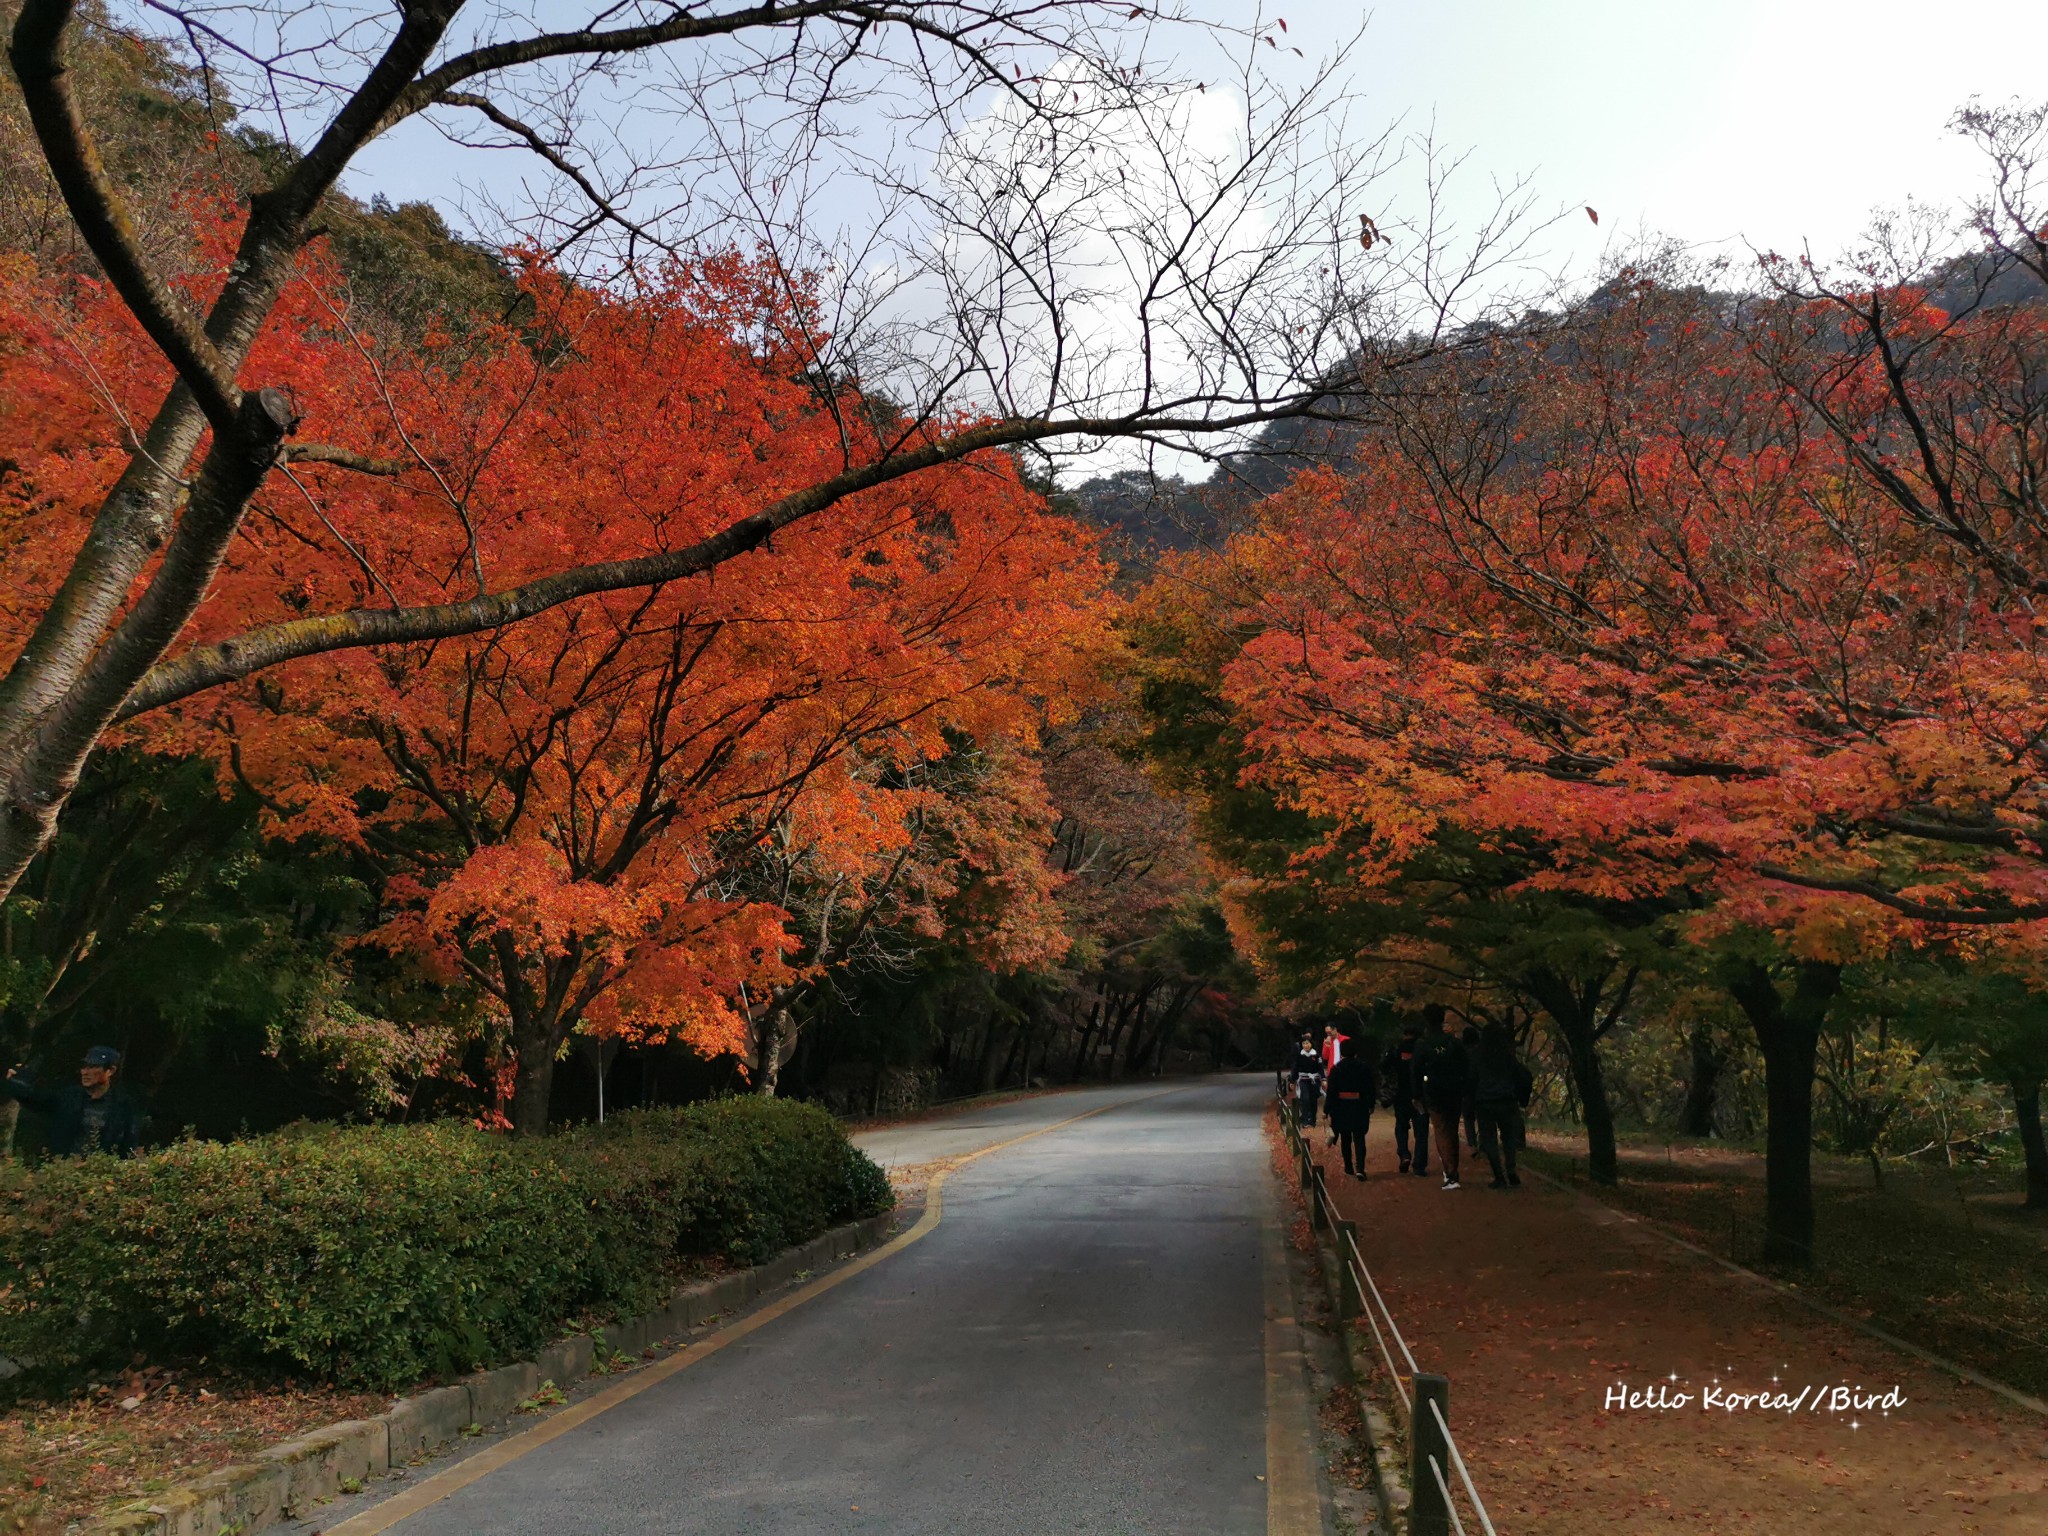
(136, 1434)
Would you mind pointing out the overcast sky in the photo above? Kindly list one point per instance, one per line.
(1770, 121)
(1778, 124)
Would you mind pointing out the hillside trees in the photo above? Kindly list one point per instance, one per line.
(906, 857)
(1020, 140)
(1149, 950)
(1620, 592)
(1989, 1016)
(1924, 365)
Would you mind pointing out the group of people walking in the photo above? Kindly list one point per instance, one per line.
(1437, 1078)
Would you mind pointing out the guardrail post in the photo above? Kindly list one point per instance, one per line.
(1319, 1198)
(1428, 1513)
(1350, 1299)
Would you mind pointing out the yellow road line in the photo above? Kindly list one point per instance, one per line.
(1293, 1506)
(433, 1490)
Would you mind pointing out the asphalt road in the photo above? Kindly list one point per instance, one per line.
(982, 1125)
(1084, 1343)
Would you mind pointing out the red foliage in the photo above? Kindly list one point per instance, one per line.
(561, 804)
(1626, 592)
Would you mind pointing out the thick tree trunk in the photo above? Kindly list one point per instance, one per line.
(1788, 1146)
(985, 1064)
(1582, 1052)
(533, 1083)
(1152, 1059)
(1136, 1046)
(1696, 1116)
(2026, 1105)
(1163, 1042)
(541, 1022)
(1116, 1034)
(42, 752)
(775, 1044)
(1138, 1012)
(1578, 1025)
(1788, 1034)
(1087, 1039)
(1091, 1030)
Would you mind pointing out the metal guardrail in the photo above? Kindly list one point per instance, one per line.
(1433, 1454)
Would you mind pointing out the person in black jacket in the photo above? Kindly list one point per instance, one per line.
(1404, 1092)
(92, 1116)
(1446, 1074)
(1501, 1085)
(1352, 1087)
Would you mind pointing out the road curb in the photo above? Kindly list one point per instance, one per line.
(283, 1481)
(1383, 1441)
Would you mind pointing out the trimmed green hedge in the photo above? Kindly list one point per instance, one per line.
(379, 1256)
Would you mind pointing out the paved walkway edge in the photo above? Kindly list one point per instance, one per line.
(1293, 1507)
(1793, 1293)
(1385, 1446)
(1385, 1450)
(284, 1481)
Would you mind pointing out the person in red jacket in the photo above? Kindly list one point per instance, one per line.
(1332, 1053)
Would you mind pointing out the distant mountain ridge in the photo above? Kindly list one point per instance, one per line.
(1146, 516)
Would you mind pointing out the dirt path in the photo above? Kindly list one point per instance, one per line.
(1536, 1303)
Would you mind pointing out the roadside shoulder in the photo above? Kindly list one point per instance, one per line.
(340, 1469)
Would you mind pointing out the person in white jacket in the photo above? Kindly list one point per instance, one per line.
(1308, 1080)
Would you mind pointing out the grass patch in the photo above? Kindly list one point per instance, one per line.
(1914, 1258)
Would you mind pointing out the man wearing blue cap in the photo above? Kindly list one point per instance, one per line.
(94, 1116)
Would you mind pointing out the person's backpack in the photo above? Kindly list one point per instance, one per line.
(1525, 1085)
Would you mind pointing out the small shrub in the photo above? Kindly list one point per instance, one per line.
(549, 1396)
(378, 1256)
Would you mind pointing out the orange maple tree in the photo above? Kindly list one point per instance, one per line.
(1616, 589)
(900, 858)
(566, 808)
(960, 295)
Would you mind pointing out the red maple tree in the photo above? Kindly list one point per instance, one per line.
(564, 806)
(1618, 589)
